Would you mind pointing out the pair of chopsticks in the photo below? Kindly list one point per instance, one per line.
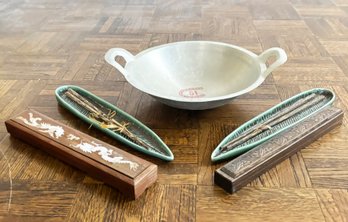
(107, 120)
(283, 115)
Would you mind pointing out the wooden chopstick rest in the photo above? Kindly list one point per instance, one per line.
(127, 173)
(245, 168)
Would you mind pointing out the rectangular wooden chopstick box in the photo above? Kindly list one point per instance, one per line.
(127, 173)
(245, 168)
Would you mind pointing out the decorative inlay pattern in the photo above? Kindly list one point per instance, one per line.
(57, 132)
(266, 150)
(53, 131)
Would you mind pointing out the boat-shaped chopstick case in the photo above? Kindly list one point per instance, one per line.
(112, 121)
(127, 173)
(272, 122)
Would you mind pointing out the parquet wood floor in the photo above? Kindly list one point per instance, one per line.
(48, 43)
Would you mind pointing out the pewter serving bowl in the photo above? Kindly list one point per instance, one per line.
(196, 75)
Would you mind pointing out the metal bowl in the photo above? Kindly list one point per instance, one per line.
(196, 75)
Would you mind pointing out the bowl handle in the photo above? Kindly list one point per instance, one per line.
(280, 57)
(111, 55)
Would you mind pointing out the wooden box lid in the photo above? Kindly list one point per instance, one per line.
(127, 173)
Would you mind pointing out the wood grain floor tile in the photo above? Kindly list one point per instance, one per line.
(93, 199)
(180, 25)
(316, 11)
(291, 172)
(289, 204)
(178, 9)
(101, 43)
(209, 139)
(328, 28)
(325, 161)
(24, 162)
(312, 2)
(231, 9)
(30, 198)
(277, 11)
(129, 9)
(178, 204)
(340, 2)
(122, 25)
(311, 70)
(342, 62)
(70, 23)
(333, 204)
(231, 28)
(21, 98)
(336, 48)
(342, 101)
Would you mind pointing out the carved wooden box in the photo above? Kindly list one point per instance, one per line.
(245, 168)
(129, 174)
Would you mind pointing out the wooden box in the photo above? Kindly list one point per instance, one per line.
(245, 168)
(127, 173)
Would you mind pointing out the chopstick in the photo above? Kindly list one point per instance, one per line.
(287, 112)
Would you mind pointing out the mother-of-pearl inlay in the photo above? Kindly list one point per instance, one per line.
(57, 132)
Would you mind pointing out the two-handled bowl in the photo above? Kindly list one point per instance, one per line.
(196, 75)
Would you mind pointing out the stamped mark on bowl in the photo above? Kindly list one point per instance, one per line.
(192, 92)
